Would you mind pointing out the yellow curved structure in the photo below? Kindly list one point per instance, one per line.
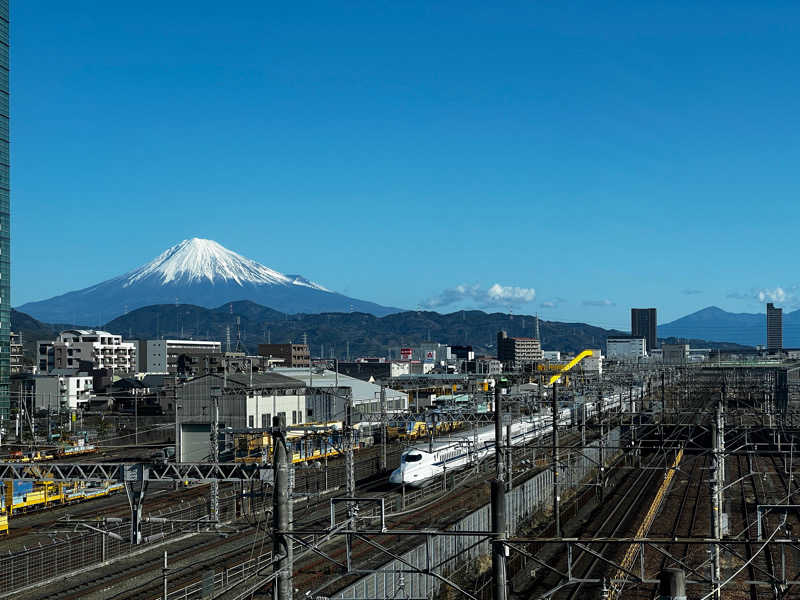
(569, 365)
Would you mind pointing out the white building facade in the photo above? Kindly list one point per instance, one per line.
(626, 348)
(83, 349)
(56, 392)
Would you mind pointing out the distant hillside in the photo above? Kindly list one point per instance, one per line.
(332, 332)
(713, 323)
(32, 330)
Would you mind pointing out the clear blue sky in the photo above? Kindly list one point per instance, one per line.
(641, 154)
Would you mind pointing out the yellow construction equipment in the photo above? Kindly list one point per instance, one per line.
(569, 365)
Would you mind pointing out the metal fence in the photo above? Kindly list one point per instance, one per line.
(442, 554)
(79, 551)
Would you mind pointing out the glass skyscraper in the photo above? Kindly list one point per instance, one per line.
(5, 224)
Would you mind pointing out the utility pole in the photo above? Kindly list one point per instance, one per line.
(717, 483)
(556, 512)
(281, 513)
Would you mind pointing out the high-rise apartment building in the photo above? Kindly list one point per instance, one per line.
(643, 325)
(518, 351)
(774, 327)
(5, 221)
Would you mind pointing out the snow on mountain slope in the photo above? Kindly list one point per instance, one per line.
(199, 272)
(197, 259)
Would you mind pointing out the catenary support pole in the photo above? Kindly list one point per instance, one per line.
(164, 573)
(556, 511)
(281, 507)
(498, 434)
(672, 584)
(383, 464)
(499, 531)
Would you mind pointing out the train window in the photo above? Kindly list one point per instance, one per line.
(413, 457)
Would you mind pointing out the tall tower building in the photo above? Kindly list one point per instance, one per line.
(5, 214)
(643, 325)
(774, 327)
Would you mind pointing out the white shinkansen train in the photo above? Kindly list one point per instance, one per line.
(418, 464)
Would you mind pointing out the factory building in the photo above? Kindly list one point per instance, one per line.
(84, 350)
(328, 393)
(244, 402)
(675, 354)
(626, 348)
(376, 370)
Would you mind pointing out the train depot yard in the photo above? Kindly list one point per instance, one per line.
(654, 477)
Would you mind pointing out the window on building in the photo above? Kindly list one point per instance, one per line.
(294, 417)
(282, 415)
(250, 420)
(264, 422)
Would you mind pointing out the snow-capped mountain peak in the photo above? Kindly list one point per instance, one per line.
(198, 260)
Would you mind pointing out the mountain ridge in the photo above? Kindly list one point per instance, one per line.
(715, 323)
(195, 271)
(363, 333)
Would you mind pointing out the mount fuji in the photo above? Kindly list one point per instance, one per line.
(199, 272)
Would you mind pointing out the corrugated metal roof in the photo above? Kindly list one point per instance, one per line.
(362, 391)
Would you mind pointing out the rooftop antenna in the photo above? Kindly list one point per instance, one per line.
(227, 338)
(538, 335)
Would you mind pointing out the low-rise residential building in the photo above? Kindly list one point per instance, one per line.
(626, 348)
(293, 355)
(84, 350)
(162, 356)
(483, 365)
(15, 362)
(61, 392)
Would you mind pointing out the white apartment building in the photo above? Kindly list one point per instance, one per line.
(55, 392)
(626, 348)
(86, 349)
(161, 356)
(554, 355)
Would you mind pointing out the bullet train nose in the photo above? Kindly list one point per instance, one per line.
(396, 477)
